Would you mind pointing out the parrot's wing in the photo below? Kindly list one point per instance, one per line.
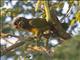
(40, 24)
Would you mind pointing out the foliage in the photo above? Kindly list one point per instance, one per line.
(68, 50)
(19, 44)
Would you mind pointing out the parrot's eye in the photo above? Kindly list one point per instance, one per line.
(15, 23)
(21, 23)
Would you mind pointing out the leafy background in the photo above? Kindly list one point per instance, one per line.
(9, 9)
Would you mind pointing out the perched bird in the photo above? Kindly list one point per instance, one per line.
(36, 26)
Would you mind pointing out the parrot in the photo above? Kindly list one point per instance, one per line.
(36, 26)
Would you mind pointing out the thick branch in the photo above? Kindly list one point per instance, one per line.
(54, 22)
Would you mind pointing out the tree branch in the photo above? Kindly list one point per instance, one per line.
(7, 50)
(54, 22)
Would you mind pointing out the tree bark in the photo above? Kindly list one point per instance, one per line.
(56, 24)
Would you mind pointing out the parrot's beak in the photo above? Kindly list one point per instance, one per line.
(14, 26)
(17, 26)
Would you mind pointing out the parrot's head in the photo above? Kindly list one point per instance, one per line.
(21, 23)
